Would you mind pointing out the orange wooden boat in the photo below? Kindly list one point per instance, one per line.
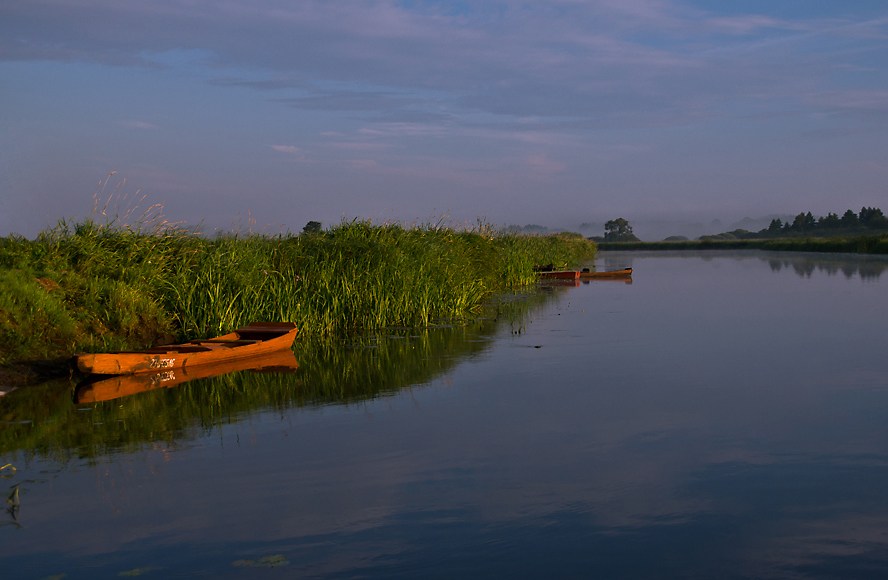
(97, 388)
(586, 275)
(252, 340)
(560, 275)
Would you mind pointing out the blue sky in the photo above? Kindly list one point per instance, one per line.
(556, 113)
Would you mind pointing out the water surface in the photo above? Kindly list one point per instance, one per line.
(722, 416)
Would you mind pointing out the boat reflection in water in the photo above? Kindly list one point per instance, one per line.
(624, 274)
(103, 388)
(587, 281)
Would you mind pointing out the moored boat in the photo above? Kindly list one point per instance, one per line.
(101, 388)
(255, 339)
(586, 275)
(560, 275)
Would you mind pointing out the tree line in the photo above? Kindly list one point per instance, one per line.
(868, 218)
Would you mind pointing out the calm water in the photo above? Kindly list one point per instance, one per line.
(723, 416)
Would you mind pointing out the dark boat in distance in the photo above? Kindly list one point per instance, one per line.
(585, 274)
(257, 338)
(105, 388)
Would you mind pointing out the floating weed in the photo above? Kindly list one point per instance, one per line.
(263, 562)
(10, 469)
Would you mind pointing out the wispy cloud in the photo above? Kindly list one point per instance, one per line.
(547, 58)
(291, 149)
(137, 124)
(294, 152)
(463, 95)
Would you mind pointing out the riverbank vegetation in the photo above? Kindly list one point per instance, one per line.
(46, 421)
(863, 244)
(862, 233)
(869, 222)
(87, 286)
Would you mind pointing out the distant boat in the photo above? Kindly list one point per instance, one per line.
(257, 338)
(560, 275)
(102, 388)
(587, 275)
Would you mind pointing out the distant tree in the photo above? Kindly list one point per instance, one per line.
(803, 222)
(830, 222)
(879, 221)
(312, 228)
(776, 225)
(619, 230)
(810, 222)
(872, 217)
(849, 219)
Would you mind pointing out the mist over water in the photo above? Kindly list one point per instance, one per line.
(721, 416)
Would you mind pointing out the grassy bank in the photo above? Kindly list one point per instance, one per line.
(44, 420)
(90, 287)
(864, 244)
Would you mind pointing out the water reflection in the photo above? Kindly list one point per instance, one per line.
(714, 419)
(47, 421)
(866, 267)
(97, 388)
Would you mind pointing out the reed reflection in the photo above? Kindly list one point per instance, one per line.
(125, 413)
(866, 267)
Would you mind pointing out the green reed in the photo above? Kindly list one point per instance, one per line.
(44, 420)
(90, 286)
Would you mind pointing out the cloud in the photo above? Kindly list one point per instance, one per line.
(541, 163)
(270, 84)
(137, 124)
(349, 101)
(853, 100)
(291, 149)
(609, 64)
(362, 164)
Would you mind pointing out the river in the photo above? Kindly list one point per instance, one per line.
(724, 415)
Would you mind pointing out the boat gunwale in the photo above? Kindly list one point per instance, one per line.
(193, 353)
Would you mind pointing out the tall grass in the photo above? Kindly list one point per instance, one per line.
(44, 420)
(97, 286)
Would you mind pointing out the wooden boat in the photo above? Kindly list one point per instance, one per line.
(249, 341)
(586, 275)
(560, 275)
(98, 388)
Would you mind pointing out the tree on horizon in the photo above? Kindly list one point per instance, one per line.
(619, 230)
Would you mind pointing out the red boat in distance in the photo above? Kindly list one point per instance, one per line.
(560, 275)
(585, 274)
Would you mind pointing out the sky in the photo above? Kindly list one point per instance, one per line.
(266, 114)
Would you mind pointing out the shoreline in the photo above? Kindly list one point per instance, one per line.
(863, 244)
(86, 287)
